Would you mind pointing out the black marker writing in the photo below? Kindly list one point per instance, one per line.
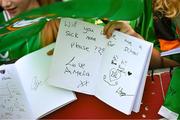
(114, 37)
(121, 93)
(70, 24)
(100, 50)
(76, 69)
(90, 38)
(123, 62)
(77, 73)
(114, 74)
(130, 51)
(87, 29)
(35, 83)
(2, 71)
(71, 34)
(128, 42)
(82, 84)
(78, 46)
(121, 69)
(72, 64)
(110, 43)
(114, 60)
(5, 78)
(111, 83)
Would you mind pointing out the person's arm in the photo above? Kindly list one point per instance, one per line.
(49, 37)
(159, 62)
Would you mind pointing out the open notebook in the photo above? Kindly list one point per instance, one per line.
(24, 93)
(113, 70)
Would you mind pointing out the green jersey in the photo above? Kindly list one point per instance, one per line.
(11, 50)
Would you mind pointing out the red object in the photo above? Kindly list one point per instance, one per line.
(89, 107)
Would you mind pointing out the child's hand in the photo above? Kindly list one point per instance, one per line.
(121, 26)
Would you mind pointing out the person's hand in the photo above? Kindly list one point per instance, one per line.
(122, 26)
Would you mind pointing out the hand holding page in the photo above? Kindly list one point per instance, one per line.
(24, 92)
(113, 70)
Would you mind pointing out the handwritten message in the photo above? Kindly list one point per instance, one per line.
(77, 69)
(82, 42)
(85, 34)
(90, 63)
(12, 100)
(116, 72)
(36, 83)
(87, 51)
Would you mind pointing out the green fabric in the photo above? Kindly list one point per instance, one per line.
(17, 41)
(112, 9)
(20, 42)
(173, 95)
(2, 20)
(144, 24)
